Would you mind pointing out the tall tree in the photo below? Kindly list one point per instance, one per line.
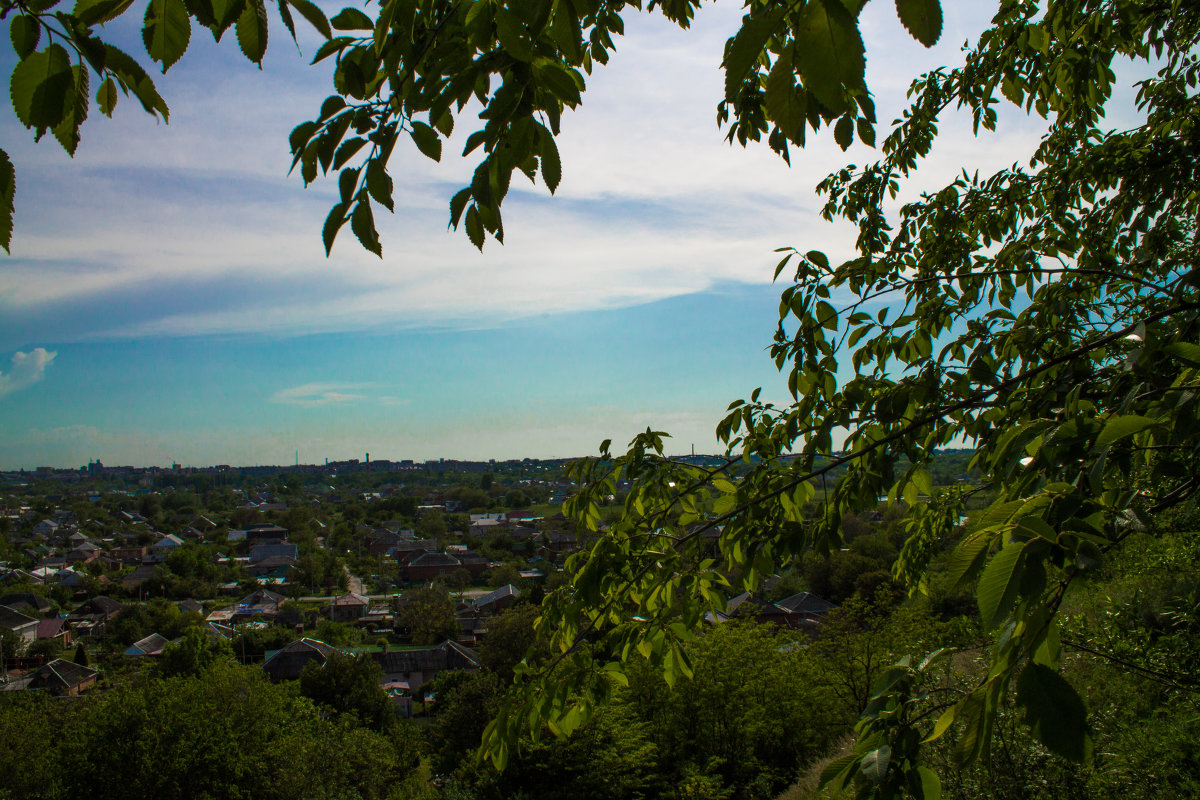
(1046, 314)
(427, 612)
(349, 685)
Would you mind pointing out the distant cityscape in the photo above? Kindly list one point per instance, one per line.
(97, 469)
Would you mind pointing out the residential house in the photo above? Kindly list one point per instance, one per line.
(482, 527)
(349, 607)
(498, 600)
(69, 578)
(473, 563)
(134, 580)
(19, 576)
(287, 663)
(418, 666)
(84, 553)
(806, 604)
(164, 547)
(407, 549)
(129, 553)
(428, 566)
(54, 628)
(263, 605)
(151, 645)
(383, 542)
(22, 625)
(59, 677)
(93, 614)
(265, 533)
(27, 603)
(274, 569)
(801, 611)
(190, 606)
(262, 551)
(557, 543)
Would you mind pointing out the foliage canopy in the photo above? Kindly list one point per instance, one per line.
(1045, 314)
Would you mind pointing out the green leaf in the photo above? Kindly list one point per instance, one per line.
(427, 140)
(379, 184)
(999, 584)
(347, 183)
(351, 19)
(843, 132)
(930, 784)
(252, 31)
(167, 31)
(67, 131)
(133, 78)
(1120, 427)
(286, 15)
(923, 18)
(8, 191)
(106, 97)
(98, 12)
(923, 481)
(551, 165)
(743, 50)
(202, 11)
(512, 36)
(942, 725)
(333, 224)
(24, 31)
(562, 83)
(315, 16)
(1185, 351)
(874, 764)
(226, 13)
(972, 711)
(829, 53)
(42, 88)
(785, 102)
(458, 204)
(346, 151)
(826, 316)
(362, 222)
(1055, 711)
(838, 772)
(474, 227)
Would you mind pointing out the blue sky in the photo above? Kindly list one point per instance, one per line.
(168, 297)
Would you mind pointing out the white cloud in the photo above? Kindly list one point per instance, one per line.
(318, 394)
(27, 369)
(200, 215)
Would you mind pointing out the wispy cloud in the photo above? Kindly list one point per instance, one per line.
(319, 394)
(27, 369)
(653, 204)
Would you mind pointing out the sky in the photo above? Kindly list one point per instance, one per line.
(168, 298)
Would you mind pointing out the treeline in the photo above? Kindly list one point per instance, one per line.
(228, 733)
(766, 712)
